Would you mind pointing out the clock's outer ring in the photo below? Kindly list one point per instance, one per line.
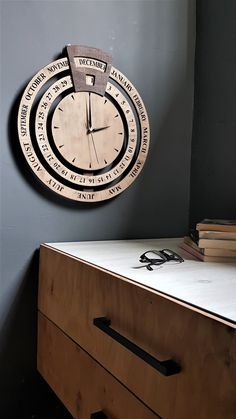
(26, 103)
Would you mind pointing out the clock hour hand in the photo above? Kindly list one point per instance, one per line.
(100, 129)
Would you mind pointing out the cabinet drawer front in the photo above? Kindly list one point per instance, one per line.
(72, 294)
(80, 382)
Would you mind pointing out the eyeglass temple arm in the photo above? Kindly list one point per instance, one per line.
(173, 253)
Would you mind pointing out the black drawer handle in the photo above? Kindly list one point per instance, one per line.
(168, 367)
(98, 415)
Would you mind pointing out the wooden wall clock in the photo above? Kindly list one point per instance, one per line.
(83, 127)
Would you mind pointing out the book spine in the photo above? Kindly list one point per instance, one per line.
(220, 252)
(219, 259)
(219, 244)
(206, 257)
(216, 227)
(221, 235)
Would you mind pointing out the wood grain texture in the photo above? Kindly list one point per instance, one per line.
(90, 57)
(70, 128)
(126, 167)
(80, 382)
(88, 149)
(72, 293)
(209, 288)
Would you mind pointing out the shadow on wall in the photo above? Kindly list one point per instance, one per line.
(23, 167)
(162, 191)
(18, 355)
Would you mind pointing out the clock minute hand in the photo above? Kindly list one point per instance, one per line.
(90, 127)
(95, 151)
(100, 129)
(87, 119)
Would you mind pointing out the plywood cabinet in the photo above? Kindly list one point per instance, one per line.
(86, 388)
(142, 354)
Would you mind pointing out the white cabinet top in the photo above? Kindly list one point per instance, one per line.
(210, 287)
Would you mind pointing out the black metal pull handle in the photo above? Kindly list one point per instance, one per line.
(98, 415)
(168, 367)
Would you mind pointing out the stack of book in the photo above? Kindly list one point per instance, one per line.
(214, 241)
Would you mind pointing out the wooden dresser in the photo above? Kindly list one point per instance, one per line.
(117, 341)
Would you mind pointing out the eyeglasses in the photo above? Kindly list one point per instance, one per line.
(158, 257)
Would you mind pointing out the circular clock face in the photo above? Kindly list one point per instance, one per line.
(88, 130)
(86, 142)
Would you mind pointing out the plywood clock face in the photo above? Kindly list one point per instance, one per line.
(83, 127)
(88, 130)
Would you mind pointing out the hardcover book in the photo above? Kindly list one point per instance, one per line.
(208, 254)
(217, 225)
(211, 234)
(217, 244)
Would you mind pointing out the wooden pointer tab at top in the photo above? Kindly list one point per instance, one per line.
(90, 68)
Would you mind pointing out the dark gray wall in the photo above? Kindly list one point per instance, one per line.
(152, 42)
(213, 168)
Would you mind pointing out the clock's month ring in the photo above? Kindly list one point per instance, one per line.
(26, 103)
(42, 139)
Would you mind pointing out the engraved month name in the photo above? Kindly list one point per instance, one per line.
(90, 63)
(83, 127)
